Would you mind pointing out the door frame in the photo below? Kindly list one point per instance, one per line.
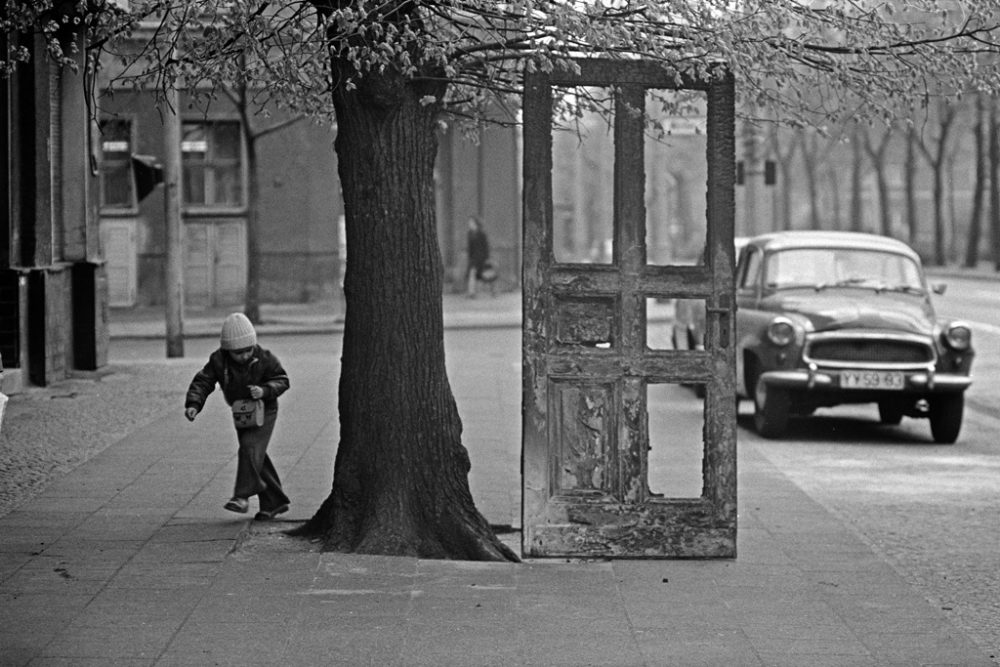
(622, 519)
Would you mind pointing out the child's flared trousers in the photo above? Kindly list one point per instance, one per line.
(255, 474)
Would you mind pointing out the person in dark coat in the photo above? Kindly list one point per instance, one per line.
(244, 370)
(479, 256)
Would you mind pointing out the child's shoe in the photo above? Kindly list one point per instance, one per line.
(268, 515)
(238, 505)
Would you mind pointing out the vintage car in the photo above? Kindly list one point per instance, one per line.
(830, 318)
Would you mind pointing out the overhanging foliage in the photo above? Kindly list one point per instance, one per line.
(795, 60)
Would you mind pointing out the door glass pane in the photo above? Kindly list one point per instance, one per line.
(676, 167)
(582, 175)
(676, 440)
(675, 324)
(661, 323)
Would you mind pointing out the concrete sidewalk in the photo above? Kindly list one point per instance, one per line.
(130, 560)
(503, 310)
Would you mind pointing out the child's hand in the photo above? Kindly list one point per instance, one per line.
(191, 413)
(256, 392)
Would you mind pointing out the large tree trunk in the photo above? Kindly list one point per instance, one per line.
(400, 484)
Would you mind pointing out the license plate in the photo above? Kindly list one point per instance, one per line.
(871, 380)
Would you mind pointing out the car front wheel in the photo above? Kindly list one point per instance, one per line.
(770, 410)
(946, 417)
(890, 413)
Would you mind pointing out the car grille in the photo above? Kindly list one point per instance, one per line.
(869, 351)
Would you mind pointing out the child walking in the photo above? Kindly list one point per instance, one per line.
(251, 379)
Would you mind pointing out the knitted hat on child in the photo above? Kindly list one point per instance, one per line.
(237, 332)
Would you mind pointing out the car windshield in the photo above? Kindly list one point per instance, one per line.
(821, 268)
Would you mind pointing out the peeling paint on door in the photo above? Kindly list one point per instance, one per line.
(586, 364)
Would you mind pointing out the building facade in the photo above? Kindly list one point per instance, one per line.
(300, 206)
(53, 289)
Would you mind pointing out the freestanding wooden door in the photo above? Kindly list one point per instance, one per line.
(587, 367)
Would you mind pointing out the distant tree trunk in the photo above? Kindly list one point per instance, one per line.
(994, 184)
(980, 135)
(251, 302)
(835, 203)
(857, 179)
(400, 481)
(251, 298)
(951, 232)
(238, 96)
(939, 231)
(811, 160)
(938, 159)
(785, 159)
(980, 140)
(877, 152)
(910, 178)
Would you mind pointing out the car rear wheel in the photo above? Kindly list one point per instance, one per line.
(890, 413)
(770, 410)
(946, 417)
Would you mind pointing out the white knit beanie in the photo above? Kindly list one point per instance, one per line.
(237, 332)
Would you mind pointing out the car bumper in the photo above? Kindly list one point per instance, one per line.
(922, 382)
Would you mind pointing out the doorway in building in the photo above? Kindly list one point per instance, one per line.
(215, 257)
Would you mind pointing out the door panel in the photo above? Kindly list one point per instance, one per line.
(198, 261)
(587, 366)
(214, 263)
(118, 239)
(230, 263)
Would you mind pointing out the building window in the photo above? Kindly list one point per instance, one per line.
(212, 164)
(117, 185)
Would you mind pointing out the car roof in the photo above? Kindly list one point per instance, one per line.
(825, 239)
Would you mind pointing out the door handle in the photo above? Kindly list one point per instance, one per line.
(722, 311)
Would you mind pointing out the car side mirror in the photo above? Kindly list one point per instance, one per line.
(939, 288)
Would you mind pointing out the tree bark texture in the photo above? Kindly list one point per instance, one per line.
(400, 483)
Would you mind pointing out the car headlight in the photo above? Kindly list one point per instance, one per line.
(958, 336)
(781, 331)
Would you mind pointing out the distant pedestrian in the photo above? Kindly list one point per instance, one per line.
(251, 379)
(480, 267)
